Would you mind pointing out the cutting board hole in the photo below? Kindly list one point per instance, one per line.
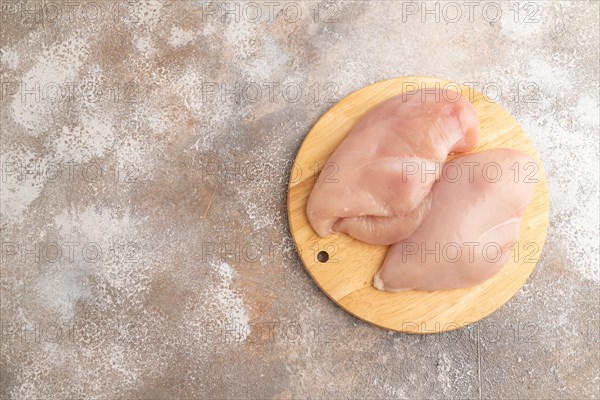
(323, 256)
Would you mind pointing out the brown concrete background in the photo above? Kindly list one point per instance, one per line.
(145, 248)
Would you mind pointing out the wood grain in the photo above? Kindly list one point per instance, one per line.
(347, 276)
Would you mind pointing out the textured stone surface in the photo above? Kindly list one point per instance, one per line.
(145, 247)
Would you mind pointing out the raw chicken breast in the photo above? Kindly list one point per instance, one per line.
(385, 167)
(474, 221)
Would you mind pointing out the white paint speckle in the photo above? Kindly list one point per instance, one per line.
(83, 142)
(514, 25)
(546, 74)
(268, 61)
(55, 67)
(588, 110)
(21, 182)
(61, 288)
(180, 37)
(145, 45)
(10, 58)
(144, 13)
(114, 252)
(574, 204)
(231, 302)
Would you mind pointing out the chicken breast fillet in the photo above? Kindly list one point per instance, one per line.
(378, 181)
(474, 221)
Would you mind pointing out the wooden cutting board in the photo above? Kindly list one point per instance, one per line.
(347, 274)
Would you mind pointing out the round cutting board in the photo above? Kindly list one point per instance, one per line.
(344, 267)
